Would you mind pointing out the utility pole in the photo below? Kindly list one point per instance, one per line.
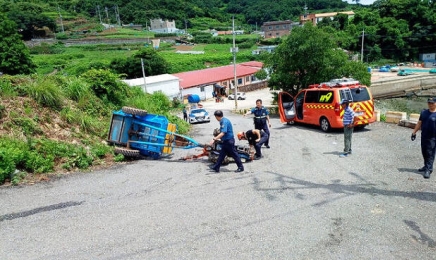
(143, 74)
(60, 16)
(117, 15)
(361, 53)
(107, 16)
(98, 11)
(234, 50)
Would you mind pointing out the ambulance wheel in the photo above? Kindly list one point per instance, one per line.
(127, 152)
(134, 111)
(325, 124)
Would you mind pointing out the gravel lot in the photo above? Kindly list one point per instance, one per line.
(301, 201)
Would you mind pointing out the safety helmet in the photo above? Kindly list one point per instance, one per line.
(240, 135)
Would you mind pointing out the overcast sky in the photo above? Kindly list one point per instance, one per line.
(363, 2)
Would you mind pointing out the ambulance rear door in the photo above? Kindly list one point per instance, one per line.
(286, 107)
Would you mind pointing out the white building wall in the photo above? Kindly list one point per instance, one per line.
(206, 94)
(166, 83)
(169, 88)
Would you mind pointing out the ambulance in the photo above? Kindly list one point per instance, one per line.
(319, 104)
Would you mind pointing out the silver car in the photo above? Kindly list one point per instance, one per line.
(198, 115)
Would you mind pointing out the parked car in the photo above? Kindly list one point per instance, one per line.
(395, 69)
(383, 69)
(403, 72)
(198, 115)
(241, 96)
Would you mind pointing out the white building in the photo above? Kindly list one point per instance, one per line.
(166, 83)
(160, 26)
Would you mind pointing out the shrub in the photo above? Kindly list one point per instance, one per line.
(106, 85)
(6, 88)
(76, 88)
(12, 153)
(61, 36)
(28, 126)
(46, 93)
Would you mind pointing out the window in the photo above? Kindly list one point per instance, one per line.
(247, 79)
(239, 82)
(277, 26)
(311, 97)
(269, 27)
(284, 26)
(360, 94)
(202, 89)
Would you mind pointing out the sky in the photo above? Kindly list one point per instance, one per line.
(363, 2)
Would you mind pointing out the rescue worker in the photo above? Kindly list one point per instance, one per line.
(228, 143)
(261, 119)
(255, 138)
(427, 124)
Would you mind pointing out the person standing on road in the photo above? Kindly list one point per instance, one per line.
(228, 143)
(255, 138)
(185, 114)
(261, 119)
(427, 124)
(348, 122)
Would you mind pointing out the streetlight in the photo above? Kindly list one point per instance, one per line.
(234, 50)
(363, 37)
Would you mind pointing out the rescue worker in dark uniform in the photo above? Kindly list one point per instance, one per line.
(427, 124)
(228, 143)
(261, 119)
(255, 138)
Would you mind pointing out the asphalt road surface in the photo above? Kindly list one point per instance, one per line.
(301, 201)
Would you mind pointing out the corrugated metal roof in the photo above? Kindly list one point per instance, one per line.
(213, 75)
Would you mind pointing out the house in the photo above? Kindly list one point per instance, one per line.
(200, 82)
(166, 83)
(260, 49)
(204, 82)
(277, 29)
(160, 26)
(315, 18)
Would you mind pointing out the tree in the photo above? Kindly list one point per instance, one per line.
(29, 17)
(132, 67)
(14, 55)
(310, 55)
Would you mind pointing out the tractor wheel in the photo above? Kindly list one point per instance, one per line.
(127, 152)
(134, 111)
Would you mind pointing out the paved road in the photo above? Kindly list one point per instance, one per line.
(301, 201)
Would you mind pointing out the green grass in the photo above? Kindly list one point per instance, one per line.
(75, 60)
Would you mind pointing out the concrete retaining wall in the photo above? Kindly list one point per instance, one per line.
(399, 87)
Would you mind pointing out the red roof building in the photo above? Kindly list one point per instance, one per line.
(217, 80)
(221, 75)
